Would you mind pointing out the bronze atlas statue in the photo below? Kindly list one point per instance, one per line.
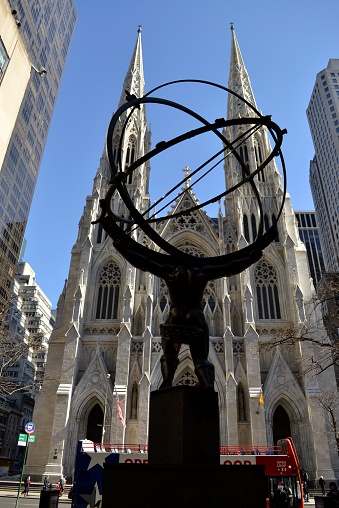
(185, 275)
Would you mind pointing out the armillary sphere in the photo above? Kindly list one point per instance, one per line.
(110, 220)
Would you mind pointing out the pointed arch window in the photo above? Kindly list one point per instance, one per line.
(266, 282)
(209, 296)
(258, 158)
(246, 228)
(241, 403)
(108, 292)
(130, 156)
(134, 400)
(266, 222)
(164, 295)
(276, 239)
(243, 152)
(254, 227)
(101, 234)
(115, 151)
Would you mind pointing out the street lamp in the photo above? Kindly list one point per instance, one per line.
(104, 421)
(40, 71)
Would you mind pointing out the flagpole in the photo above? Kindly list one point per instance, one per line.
(104, 420)
(120, 413)
(261, 400)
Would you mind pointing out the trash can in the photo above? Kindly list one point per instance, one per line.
(49, 499)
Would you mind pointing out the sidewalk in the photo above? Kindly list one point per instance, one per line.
(33, 495)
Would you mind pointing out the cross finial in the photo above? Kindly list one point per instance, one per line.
(187, 179)
(232, 26)
(139, 29)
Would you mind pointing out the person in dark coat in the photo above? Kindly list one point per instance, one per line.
(322, 484)
(27, 483)
(45, 483)
(333, 493)
(280, 497)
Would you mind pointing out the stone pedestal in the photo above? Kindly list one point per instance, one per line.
(183, 486)
(184, 468)
(184, 426)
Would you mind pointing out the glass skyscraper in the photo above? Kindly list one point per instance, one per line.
(323, 119)
(46, 27)
(309, 235)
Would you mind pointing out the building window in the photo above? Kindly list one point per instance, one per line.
(254, 227)
(130, 156)
(246, 228)
(116, 152)
(266, 282)
(241, 403)
(258, 158)
(4, 59)
(108, 292)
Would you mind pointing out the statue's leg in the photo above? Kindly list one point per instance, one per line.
(204, 369)
(169, 362)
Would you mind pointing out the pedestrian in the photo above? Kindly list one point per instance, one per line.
(45, 487)
(27, 483)
(70, 493)
(333, 493)
(306, 495)
(62, 483)
(322, 484)
(280, 496)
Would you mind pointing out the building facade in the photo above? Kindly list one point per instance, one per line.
(43, 30)
(36, 309)
(323, 119)
(29, 325)
(109, 314)
(309, 234)
(15, 70)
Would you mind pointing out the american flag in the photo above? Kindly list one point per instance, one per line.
(120, 415)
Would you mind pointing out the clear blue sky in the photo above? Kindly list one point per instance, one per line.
(284, 46)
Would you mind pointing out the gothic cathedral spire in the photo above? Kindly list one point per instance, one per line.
(134, 83)
(238, 82)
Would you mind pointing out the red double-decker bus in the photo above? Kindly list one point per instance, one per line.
(280, 463)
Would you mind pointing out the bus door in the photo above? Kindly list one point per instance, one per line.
(291, 487)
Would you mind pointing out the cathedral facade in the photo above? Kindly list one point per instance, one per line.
(106, 342)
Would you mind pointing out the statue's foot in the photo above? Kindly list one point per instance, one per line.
(204, 371)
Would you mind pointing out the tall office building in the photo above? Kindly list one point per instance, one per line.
(44, 28)
(309, 234)
(323, 118)
(107, 328)
(30, 323)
